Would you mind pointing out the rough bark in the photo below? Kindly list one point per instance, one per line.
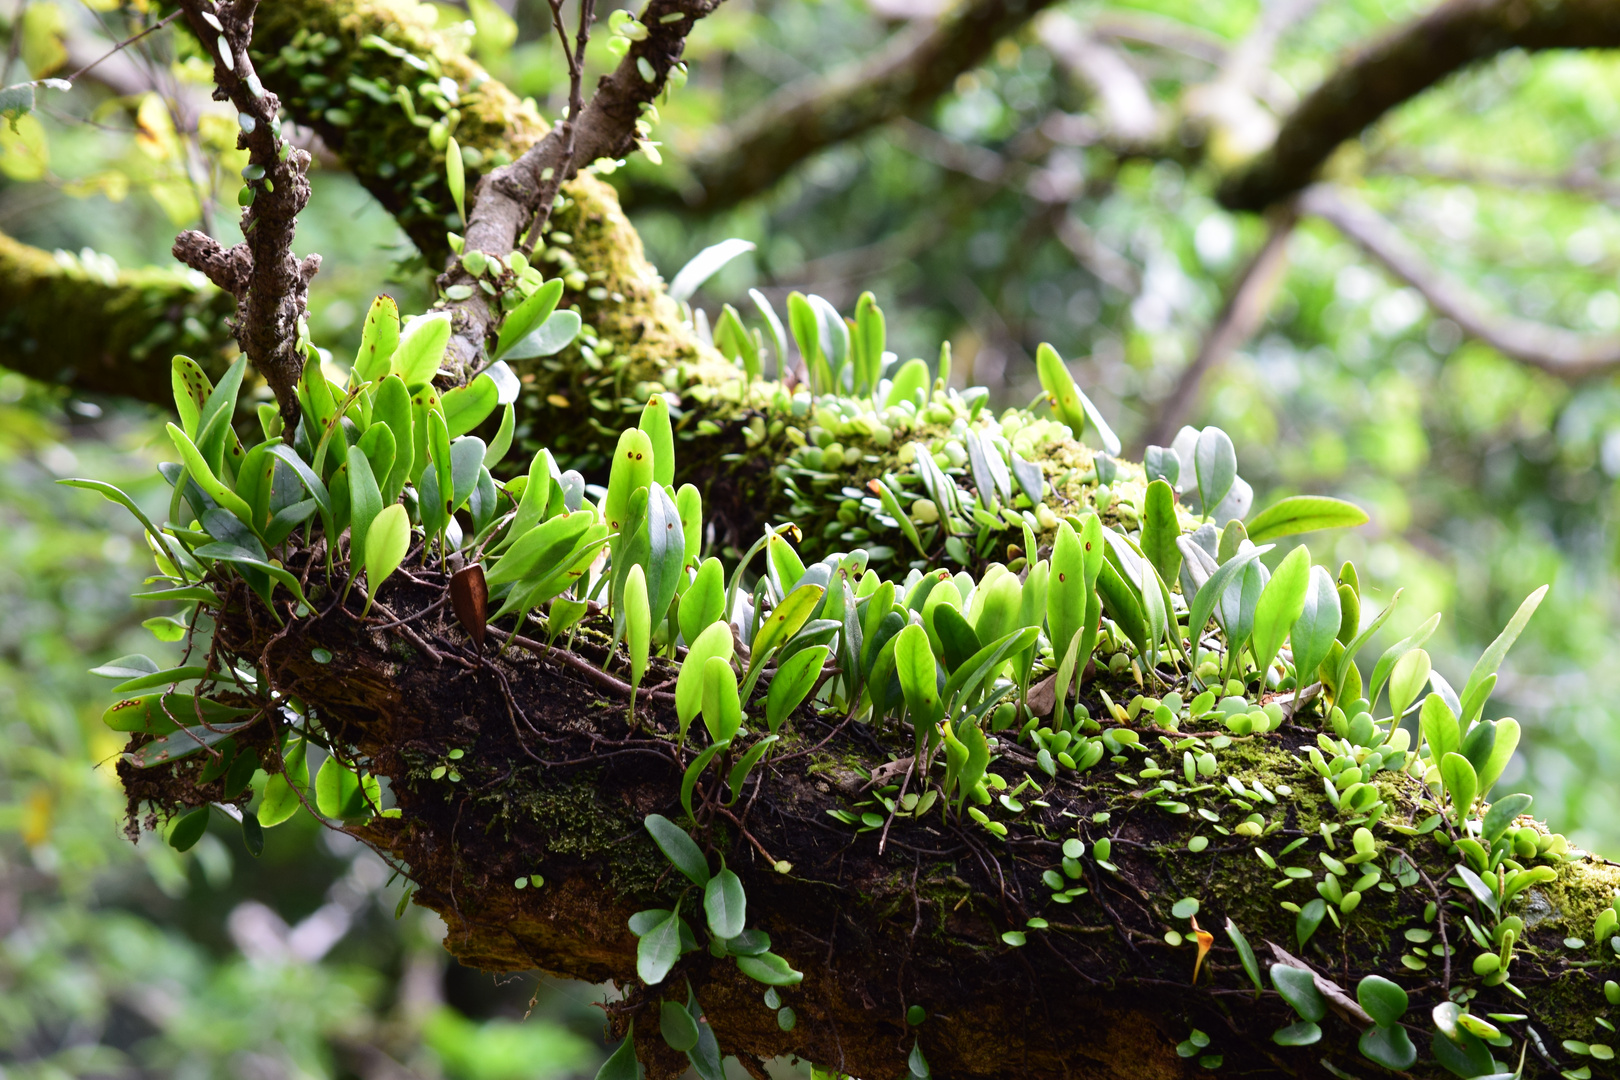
(1402, 64)
(554, 783)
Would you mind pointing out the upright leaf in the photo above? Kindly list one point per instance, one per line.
(421, 349)
(632, 468)
(387, 541)
(1282, 602)
(365, 501)
(655, 422)
(1160, 529)
(714, 641)
(679, 848)
(379, 337)
(1214, 468)
(637, 624)
(1313, 633)
(1473, 694)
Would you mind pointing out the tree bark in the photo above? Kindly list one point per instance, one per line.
(102, 330)
(553, 782)
(1402, 64)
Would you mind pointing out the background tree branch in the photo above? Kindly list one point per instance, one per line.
(84, 323)
(1565, 353)
(1402, 64)
(908, 73)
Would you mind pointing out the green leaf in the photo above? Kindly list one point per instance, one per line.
(770, 969)
(1185, 908)
(538, 552)
(970, 675)
(695, 770)
(1298, 988)
(164, 712)
(184, 742)
(133, 666)
(1502, 813)
(622, 1063)
(379, 337)
(205, 478)
(655, 422)
(535, 309)
(1281, 604)
(1392, 655)
(465, 407)
(1303, 1033)
(1483, 892)
(1407, 679)
(387, 541)
(1462, 1054)
(191, 389)
(678, 848)
(891, 506)
(1357, 643)
(1245, 953)
(1314, 632)
(1507, 741)
(781, 562)
(806, 327)
(157, 678)
(1160, 528)
(1439, 727)
(1384, 1000)
(1461, 782)
(116, 495)
(745, 765)
(185, 833)
(1214, 468)
(909, 382)
(240, 556)
(391, 407)
(713, 641)
(1309, 918)
(868, 343)
(632, 468)
(1068, 593)
(1069, 402)
(1474, 691)
(791, 683)
(704, 265)
(637, 623)
(282, 792)
(722, 709)
(725, 905)
(455, 177)
(1211, 591)
(784, 621)
(914, 661)
(365, 500)
(704, 600)
(665, 558)
(676, 1025)
(341, 794)
(736, 343)
(774, 324)
(1390, 1047)
(1302, 514)
(658, 950)
(421, 350)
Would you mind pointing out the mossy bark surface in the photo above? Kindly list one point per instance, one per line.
(555, 782)
(102, 330)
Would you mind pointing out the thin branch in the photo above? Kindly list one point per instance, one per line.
(1556, 350)
(1399, 66)
(1245, 309)
(122, 45)
(576, 104)
(905, 75)
(507, 199)
(1127, 110)
(271, 285)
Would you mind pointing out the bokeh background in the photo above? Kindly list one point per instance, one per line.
(1048, 195)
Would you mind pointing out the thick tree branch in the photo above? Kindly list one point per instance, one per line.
(908, 73)
(76, 322)
(1247, 303)
(1401, 65)
(270, 283)
(1553, 349)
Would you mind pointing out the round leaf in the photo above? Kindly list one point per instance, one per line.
(725, 905)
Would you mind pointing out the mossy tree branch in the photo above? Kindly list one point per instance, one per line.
(102, 330)
(552, 783)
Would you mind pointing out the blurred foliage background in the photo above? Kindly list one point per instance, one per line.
(1062, 190)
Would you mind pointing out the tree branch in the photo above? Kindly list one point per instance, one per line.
(909, 72)
(270, 283)
(1398, 67)
(506, 199)
(81, 322)
(1553, 349)
(1245, 309)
